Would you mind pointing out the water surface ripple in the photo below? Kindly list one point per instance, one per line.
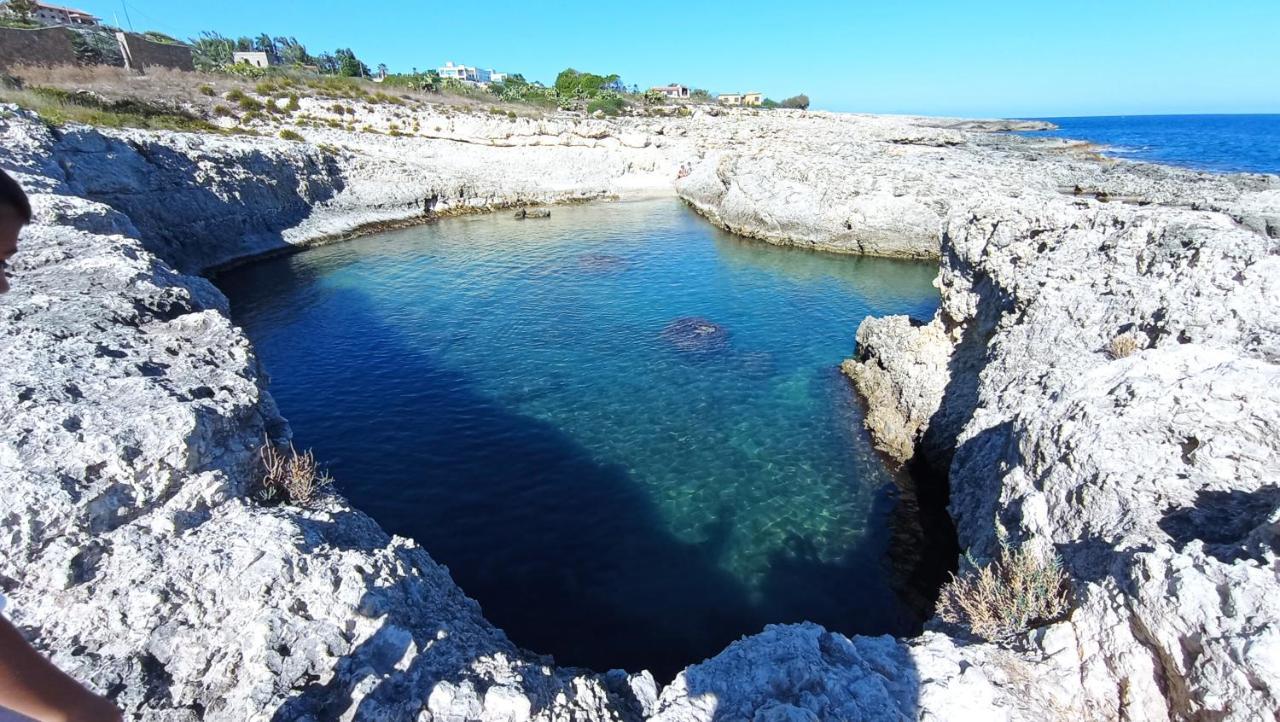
(624, 431)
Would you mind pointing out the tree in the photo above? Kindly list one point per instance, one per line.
(800, 101)
(571, 83)
(700, 94)
(327, 63)
(349, 65)
(211, 51)
(22, 9)
(382, 70)
(292, 52)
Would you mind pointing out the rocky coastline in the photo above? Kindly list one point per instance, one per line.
(134, 551)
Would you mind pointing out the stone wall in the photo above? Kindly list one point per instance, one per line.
(141, 53)
(53, 46)
(45, 46)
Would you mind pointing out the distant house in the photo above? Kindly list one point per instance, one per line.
(674, 90)
(741, 98)
(256, 58)
(51, 15)
(470, 74)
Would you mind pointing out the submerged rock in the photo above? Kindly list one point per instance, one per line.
(533, 213)
(602, 262)
(696, 335)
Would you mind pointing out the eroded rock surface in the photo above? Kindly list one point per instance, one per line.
(1129, 467)
(134, 552)
(885, 186)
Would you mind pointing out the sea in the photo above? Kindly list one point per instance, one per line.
(1218, 143)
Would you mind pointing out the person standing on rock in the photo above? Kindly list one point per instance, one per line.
(30, 684)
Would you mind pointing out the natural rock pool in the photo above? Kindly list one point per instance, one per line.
(624, 431)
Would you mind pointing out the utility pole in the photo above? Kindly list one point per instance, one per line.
(126, 15)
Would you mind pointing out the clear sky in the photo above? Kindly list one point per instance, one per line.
(1011, 58)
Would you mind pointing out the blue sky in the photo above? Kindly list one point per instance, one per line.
(1016, 58)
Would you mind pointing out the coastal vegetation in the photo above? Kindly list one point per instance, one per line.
(1124, 345)
(59, 106)
(290, 475)
(800, 102)
(1018, 590)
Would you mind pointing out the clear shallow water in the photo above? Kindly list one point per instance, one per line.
(1236, 143)
(613, 489)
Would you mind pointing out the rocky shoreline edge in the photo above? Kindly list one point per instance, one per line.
(133, 552)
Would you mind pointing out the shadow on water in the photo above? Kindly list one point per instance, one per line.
(582, 572)
(604, 585)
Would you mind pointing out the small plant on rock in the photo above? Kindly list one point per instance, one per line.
(1020, 589)
(1124, 345)
(287, 134)
(290, 476)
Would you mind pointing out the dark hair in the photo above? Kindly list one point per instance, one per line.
(12, 195)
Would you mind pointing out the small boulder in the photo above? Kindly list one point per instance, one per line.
(696, 335)
(533, 213)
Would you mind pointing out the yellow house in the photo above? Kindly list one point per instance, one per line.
(753, 99)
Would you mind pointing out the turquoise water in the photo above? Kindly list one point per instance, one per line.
(624, 431)
(1235, 143)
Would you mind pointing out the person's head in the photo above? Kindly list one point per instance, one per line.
(15, 212)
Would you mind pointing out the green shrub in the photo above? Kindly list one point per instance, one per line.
(157, 37)
(800, 101)
(294, 104)
(287, 134)
(206, 89)
(247, 103)
(243, 70)
(222, 111)
(607, 103)
(235, 95)
(8, 21)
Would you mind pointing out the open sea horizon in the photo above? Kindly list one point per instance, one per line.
(1218, 143)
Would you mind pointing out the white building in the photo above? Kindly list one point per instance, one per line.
(50, 15)
(470, 74)
(255, 58)
(674, 90)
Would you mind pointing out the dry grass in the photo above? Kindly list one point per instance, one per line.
(195, 96)
(289, 475)
(1020, 590)
(1124, 345)
(59, 107)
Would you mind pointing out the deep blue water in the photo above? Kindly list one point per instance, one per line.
(1235, 143)
(613, 486)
